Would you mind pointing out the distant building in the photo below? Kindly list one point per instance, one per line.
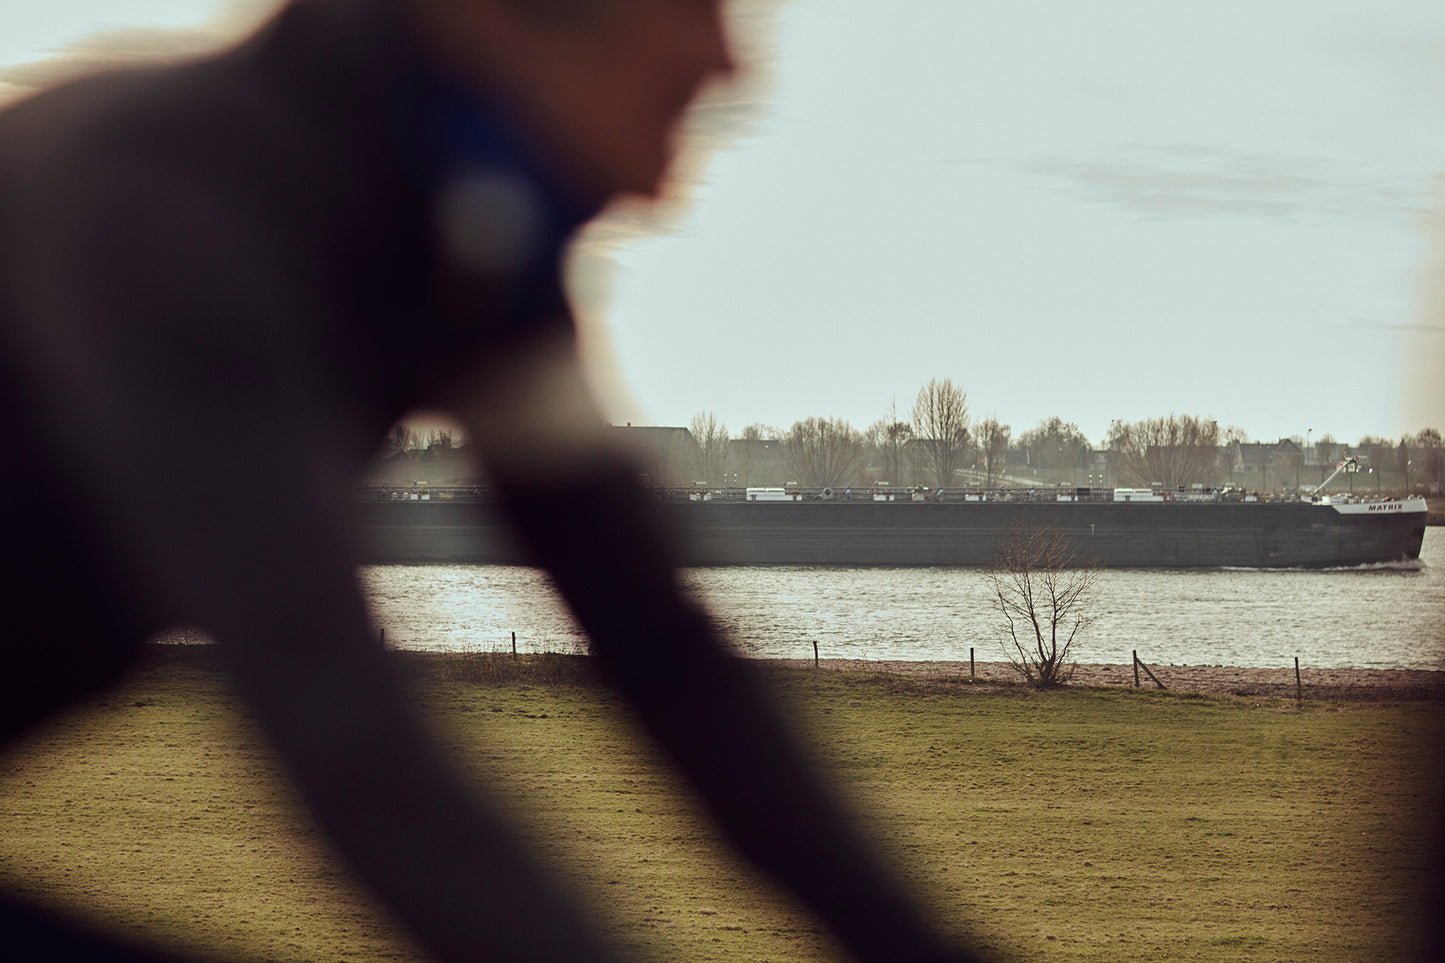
(666, 454)
(1268, 466)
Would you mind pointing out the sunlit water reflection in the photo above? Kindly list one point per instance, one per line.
(1380, 617)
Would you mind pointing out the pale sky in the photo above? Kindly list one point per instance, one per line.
(1097, 211)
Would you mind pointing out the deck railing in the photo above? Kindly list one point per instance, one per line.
(869, 495)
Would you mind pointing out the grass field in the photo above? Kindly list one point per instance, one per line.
(1073, 825)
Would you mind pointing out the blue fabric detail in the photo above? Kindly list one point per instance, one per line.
(446, 131)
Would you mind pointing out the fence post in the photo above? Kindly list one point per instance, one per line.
(815, 653)
(1147, 672)
(970, 662)
(514, 645)
(1299, 689)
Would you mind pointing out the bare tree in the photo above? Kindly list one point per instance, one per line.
(1434, 466)
(1046, 595)
(402, 437)
(1173, 451)
(889, 437)
(1055, 444)
(1378, 453)
(993, 439)
(709, 462)
(940, 422)
(823, 452)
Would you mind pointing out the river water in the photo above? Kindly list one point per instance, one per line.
(1382, 617)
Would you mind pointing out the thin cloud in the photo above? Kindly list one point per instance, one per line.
(1187, 181)
(1366, 324)
(1184, 182)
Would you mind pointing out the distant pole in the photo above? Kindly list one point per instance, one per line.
(970, 662)
(1299, 688)
(1136, 668)
(815, 653)
(514, 645)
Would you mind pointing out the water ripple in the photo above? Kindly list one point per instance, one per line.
(1388, 617)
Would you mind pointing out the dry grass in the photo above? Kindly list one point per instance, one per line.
(497, 668)
(1085, 824)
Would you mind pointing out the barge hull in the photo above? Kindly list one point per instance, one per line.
(1116, 535)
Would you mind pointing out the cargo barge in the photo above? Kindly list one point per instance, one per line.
(1118, 528)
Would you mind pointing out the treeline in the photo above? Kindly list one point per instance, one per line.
(937, 442)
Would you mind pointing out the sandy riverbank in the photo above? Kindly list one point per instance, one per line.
(1372, 685)
(1352, 685)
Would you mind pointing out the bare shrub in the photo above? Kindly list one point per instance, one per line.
(1046, 595)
